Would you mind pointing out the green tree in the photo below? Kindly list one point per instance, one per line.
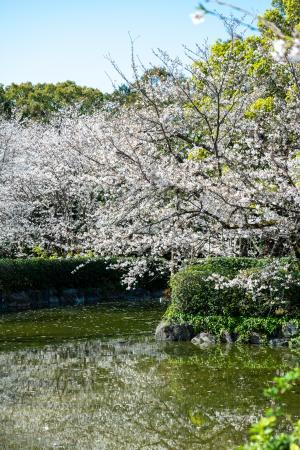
(42, 100)
(285, 14)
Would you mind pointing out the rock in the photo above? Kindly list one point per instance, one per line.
(255, 339)
(173, 332)
(279, 342)
(19, 297)
(294, 343)
(53, 298)
(18, 301)
(92, 295)
(38, 298)
(68, 297)
(226, 338)
(79, 300)
(204, 339)
(290, 329)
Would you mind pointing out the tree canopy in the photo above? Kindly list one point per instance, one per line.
(285, 14)
(40, 101)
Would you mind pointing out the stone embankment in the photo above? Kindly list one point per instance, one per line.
(52, 298)
(287, 336)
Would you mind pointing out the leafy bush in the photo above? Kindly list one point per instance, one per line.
(267, 434)
(42, 273)
(216, 286)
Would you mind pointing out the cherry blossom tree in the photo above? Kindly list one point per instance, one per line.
(47, 190)
(281, 24)
(196, 166)
(204, 160)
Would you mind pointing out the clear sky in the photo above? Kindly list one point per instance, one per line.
(57, 40)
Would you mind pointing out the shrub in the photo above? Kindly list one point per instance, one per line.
(41, 273)
(267, 434)
(198, 289)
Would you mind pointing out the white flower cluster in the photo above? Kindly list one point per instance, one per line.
(197, 17)
(272, 281)
(134, 270)
(282, 50)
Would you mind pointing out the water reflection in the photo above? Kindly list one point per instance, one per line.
(126, 391)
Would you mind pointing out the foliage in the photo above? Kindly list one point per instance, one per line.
(279, 25)
(262, 105)
(42, 100)
(285, 14)
(237, 287)
(294, 343)
(267, 434)
(123, 95)
(77, 272)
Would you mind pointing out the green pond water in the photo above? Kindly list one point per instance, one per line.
(94, 378)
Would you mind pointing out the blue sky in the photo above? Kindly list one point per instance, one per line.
(56, 40)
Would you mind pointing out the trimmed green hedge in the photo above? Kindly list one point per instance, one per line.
(193, 294)
(42, 273)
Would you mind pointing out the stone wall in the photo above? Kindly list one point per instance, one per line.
(51, 298)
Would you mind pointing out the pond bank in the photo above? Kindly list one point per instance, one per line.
(211, 330)
(53, 298)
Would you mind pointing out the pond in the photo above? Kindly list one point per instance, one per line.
(94, 378)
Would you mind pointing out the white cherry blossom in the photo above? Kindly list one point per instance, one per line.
(197, 17)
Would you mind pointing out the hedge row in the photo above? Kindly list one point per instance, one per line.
(194, 294)
(40, 273)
